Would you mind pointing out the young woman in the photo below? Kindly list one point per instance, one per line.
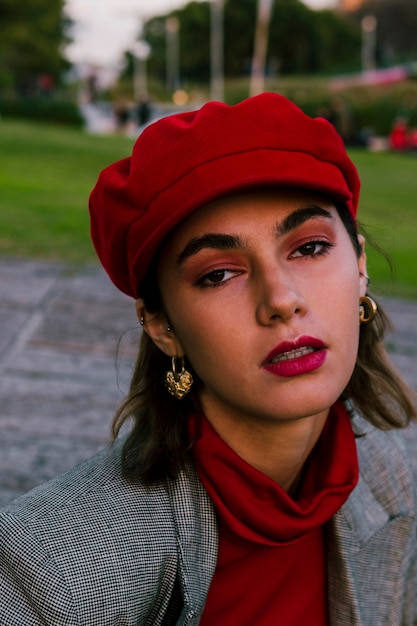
(263, 481)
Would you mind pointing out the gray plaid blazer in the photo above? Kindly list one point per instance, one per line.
(90, 549)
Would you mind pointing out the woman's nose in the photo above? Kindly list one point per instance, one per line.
(278, 297)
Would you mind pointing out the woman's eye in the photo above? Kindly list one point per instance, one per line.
(216, 277)
(313, 248)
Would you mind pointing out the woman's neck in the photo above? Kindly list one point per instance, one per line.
(277, 449)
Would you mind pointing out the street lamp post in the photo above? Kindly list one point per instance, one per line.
(172, 27)
(257, 81)
(369, 24)
(140, 52)
(217, 51)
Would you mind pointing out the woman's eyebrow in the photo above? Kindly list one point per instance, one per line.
(301, 215)
(220, 241)
(216, 241)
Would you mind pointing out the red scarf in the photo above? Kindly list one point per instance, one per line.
(271, 564)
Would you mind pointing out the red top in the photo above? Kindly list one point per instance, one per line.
(271, 563)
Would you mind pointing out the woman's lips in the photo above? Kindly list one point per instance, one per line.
(293, 358)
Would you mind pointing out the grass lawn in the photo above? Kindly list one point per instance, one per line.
(47, 173)
(388, 213)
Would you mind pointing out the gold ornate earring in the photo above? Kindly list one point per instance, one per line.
(178, 383)
(367, 309)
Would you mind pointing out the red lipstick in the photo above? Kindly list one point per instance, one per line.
(293, 358)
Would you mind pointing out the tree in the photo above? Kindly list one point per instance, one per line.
(396, 28)
(300, 40)
(194, 40)
(240, 22)
(32, 34)
(336, 46)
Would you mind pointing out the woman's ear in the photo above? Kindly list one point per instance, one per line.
(158, 328)
(363, 274)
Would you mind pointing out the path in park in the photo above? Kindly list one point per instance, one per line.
(63, 370)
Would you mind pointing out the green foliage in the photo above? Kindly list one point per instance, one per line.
(336, 44)
(303, 41)
(292, 35)
(300, 40)
(31, 36)
(195, 36)
(396, 28)
(378, 116)
(194, 41)
(46, 109)
(373, 108)
(239, 33)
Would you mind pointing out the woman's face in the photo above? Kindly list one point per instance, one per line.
(262, 291)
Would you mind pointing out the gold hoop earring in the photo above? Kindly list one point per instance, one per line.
(178, 383)
(367, 309)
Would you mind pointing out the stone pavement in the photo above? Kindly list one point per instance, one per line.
(61, 371)
(67, 344)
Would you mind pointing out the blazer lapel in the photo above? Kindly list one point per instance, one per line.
(371, 539)
(197, 536)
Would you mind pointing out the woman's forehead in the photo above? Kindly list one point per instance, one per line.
(237, 209)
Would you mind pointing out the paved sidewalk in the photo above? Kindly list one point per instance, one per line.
(63, 370)
(59, 370)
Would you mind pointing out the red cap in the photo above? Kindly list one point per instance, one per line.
(184, 161)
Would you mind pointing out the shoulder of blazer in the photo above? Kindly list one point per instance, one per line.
(385, 467)
(64, 490)
(107, 538)
(372, 540)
